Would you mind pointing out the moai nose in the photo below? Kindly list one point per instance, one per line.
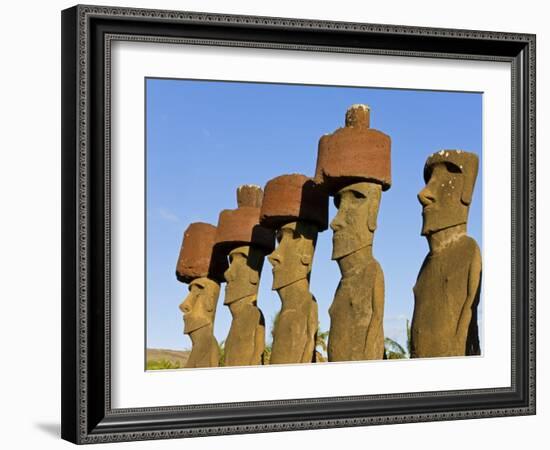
(426, 197)
(336, 223)
(227, 274)
(274, 259)
(185, 307)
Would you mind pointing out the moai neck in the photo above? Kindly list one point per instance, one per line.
(295, 292)
(201, 338)
(237, 306)
(355, 262)
(441, 239)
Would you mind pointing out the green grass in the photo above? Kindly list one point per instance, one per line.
(162, 364)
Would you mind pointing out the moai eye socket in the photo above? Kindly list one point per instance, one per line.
(452, 168)
(358, 195)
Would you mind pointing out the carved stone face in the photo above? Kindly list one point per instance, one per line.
(292, 259)
(355, 222)
(199, 307)
(442, 206)
(243, 274)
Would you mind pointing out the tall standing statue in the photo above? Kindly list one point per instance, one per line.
(354, 164)
(203, 271)
(246, 243)
(297, 209)
(446, 294)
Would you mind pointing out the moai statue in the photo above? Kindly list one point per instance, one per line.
(203, 270)
(354, 164)
(241, 237)
(297, 209)
(446, 294)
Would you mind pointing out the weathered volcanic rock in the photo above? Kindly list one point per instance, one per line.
(354, 153)
(197, 257)
(289, 198)
(465, 162)
(448, 286)
(241, 226)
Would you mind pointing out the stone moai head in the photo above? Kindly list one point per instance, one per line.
(293, 258)
(243, 275)
(199, 307)
(354, 163)
(355, 222)
(297, 209)
(245, 242)
(450, 177)
(202, 268)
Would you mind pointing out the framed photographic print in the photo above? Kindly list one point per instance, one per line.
(283, 224)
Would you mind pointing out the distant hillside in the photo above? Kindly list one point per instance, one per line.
(159, 358)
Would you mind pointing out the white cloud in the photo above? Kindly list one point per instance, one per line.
(169, 215)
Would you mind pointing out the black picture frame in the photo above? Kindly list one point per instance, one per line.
(87, 416)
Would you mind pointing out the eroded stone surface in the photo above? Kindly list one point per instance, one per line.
(249, 195)
(448, 285)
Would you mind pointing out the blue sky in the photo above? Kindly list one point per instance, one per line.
(205, 138)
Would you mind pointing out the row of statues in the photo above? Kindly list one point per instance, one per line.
(282, 222)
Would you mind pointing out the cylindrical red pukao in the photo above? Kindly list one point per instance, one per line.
(295, 197)
(197, 257)
(241, 226)
(354, 153)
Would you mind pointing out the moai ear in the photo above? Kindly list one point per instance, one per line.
(470, 176)
(254, 278)
(306, 260)
(373, 206)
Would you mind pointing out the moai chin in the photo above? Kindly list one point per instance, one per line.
(245, 242)
(202, 269)
(297, 209)
(354, 165)
(446, 293)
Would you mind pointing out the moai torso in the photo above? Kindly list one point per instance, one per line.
(446, 297)
(295, 330)
(356, 330)
(245, 342)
